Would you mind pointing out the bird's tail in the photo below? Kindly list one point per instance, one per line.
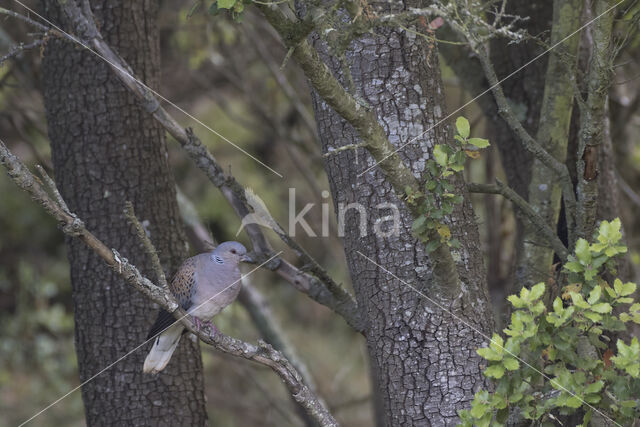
(163, 347)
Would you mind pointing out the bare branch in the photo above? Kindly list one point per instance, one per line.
(262, 353)
(325, 290)
(148, 246)
(26, 19)
(469, 30)
(526, 209)
(17, 50)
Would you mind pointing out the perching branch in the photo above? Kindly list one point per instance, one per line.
(262, 353)
(250, 297)
(321, 288)
(529, 143)
(524, 208)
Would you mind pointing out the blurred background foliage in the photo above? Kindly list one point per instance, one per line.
(229, 76)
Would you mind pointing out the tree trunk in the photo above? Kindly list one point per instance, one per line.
(423, 359)
(107, 150)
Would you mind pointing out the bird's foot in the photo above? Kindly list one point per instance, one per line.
(200, 325)
(212, 329)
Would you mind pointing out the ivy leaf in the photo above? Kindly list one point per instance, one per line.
(226, 4)
(479, 142)
(462, 125)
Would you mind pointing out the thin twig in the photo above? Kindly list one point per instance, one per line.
(24, 18)
(148, 245)
(526, 209)
(17, 50)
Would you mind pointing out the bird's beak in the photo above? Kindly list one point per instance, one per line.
(246, 258)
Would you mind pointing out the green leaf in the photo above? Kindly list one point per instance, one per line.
(462, 125)
(573, 402)
(594, 387)
(536, 291)
(431, 246)
(418, 225)
(494, 371)
(497, 343)
(582, 251)
(511, 364)
(624, 289)
(574, 267)
(479, 409)
(226, 4)
(440, 155)
(213, 9)
(594, 317)
(489, 354)
(595, 295)
(479, 142)
(602, 308)
(578, 301)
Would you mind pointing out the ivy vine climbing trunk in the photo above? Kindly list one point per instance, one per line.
(422, 350)
(107, 150)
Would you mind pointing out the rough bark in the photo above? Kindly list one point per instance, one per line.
(107, 150)
(423, 359)
(593, 119)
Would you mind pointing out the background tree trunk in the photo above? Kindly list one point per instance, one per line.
(105, 151)
(423, 359)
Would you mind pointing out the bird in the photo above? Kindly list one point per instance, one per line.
(203, 286)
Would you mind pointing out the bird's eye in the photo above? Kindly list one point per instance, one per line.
(233, 251)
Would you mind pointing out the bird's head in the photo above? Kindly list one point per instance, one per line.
(232, 252)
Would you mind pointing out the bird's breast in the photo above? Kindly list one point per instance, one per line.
(214, 296)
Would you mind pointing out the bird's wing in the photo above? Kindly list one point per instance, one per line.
(183, 284)
(182, 287)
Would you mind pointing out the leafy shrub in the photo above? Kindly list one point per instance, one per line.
(556, 360)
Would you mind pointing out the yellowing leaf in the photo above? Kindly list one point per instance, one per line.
(473, 154)
(574, 287)
(444, 232)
